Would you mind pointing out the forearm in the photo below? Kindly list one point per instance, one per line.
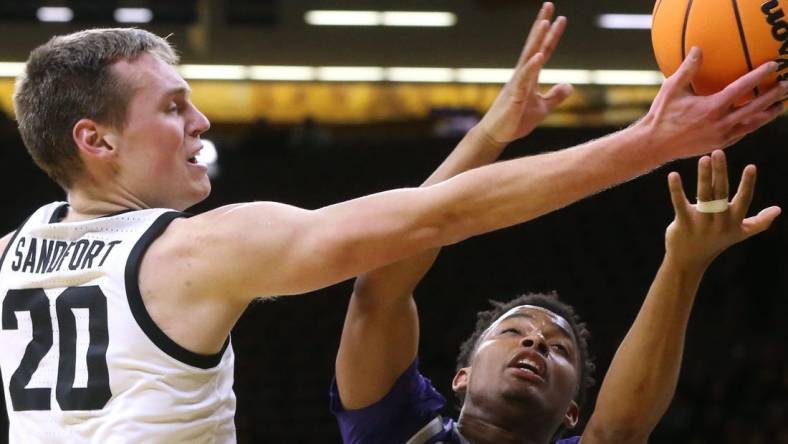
(641, 380)
(518, 190)
(400, 278)
(474, 150)
(302, 250)
(483, 199)
(642, 377)
(381, 331)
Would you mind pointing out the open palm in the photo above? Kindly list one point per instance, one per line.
(520, 107)
(696, 238)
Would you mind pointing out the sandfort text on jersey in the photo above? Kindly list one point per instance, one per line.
(34, 255)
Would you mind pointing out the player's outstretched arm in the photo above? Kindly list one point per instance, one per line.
(303, 250)
(224, 258)
(641, 381)
(380, 335)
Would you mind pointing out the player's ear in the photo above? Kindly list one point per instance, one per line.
(92, 138)
(571, 416)
(460, 381)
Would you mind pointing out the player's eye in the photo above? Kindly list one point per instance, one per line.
(560, 347)
(510, 330)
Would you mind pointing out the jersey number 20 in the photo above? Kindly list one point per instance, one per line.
(35, 301)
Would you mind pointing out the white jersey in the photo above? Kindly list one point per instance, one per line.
(81, 358)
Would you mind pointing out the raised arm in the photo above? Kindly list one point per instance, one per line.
(223, 259)
(641, 381)
(264, 249)
(381, 332)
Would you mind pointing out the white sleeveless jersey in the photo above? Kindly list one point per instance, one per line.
(81, 359)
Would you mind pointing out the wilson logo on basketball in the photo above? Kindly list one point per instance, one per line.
(775, 17)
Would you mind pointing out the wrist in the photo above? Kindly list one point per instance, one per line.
(686, 265)
(651, 147)
(629, 150)
(485, 139)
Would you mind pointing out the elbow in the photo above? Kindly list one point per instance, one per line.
(366, 287)
(371, 296)
(626, 428)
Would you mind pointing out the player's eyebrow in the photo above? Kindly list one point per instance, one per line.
(520, 314)
(178, 90)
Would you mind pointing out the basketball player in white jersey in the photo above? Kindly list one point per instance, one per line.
(116, 308)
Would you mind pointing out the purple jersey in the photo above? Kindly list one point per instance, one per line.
(409, 413)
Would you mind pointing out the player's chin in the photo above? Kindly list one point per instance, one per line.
(524, 401)
(197, 193)
(203, 190)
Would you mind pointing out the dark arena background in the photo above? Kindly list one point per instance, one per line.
(314, 142)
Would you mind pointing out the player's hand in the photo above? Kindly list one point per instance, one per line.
(520, 107)
(690, 125)
(695, 238)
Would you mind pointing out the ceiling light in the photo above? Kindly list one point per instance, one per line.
(133, 15)
(54, 14)
(350, 73)
(394, 74)
(11, 69)
(421, 18)
(624, 21)
(378, 18)
(484, 75)
(576, 76)
(443, 75)
(624, 77)
(213, 72)
(343, 18)
(281, 73)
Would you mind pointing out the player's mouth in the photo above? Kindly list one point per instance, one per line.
(529, 366)
(194, 159)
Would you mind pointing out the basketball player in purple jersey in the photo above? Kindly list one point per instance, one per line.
(522, 375)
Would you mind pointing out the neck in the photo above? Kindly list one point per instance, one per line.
(85, 204)
(529, 429)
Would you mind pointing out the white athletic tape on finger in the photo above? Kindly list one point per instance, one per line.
(712, 206)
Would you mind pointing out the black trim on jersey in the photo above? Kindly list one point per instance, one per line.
(60, 212)
(11, 241)
(137, 306)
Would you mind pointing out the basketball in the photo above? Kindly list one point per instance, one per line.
(736, 37)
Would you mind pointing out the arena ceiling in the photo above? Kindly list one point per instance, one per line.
(487, 33)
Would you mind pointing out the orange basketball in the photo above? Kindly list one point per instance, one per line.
(736, 37)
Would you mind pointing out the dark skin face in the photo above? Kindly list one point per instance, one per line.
(522, 381)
